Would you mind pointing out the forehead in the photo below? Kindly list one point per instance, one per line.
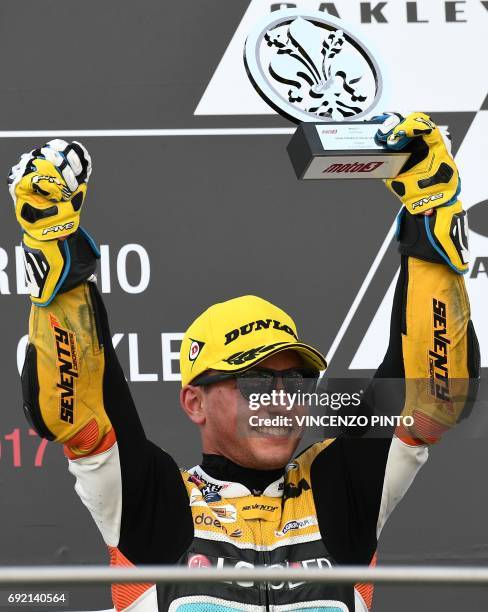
(282, 361)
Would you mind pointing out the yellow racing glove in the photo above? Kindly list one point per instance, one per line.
(48, 187)
(428, 186)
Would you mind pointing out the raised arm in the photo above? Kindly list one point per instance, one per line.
(431, 367)
(74, 389)
(62, 375)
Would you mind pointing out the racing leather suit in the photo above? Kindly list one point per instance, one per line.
(328, 507)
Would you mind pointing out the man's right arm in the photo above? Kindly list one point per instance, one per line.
(74, 389)
(75, 393)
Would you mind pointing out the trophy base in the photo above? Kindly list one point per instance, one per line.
(342, 150)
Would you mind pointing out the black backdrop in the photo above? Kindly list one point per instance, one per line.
(214, 216)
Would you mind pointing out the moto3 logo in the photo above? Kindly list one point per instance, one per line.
(354, 167)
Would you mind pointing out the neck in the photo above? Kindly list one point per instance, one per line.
(256, 481)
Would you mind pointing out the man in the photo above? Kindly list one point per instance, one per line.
(240, 506)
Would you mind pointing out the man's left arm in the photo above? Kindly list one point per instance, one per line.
(439, 348)
(431, 366)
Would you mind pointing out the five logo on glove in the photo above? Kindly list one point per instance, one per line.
(58, 228)
(423, 201)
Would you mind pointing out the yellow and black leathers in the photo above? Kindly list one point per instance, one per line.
(329, 506)
(428, 181)
(63, 373)
(433, 352)
(440, 383)
(48, 187)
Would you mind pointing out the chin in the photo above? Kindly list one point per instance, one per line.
(270, 453)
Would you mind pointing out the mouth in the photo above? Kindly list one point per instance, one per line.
(273, 432)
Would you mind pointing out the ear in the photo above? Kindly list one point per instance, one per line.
(191, 400)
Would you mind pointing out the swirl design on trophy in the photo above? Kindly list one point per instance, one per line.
(310, 69)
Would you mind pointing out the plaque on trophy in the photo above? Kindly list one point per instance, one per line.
(342, 150)
(313, 71)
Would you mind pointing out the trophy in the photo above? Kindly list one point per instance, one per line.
(311, 70)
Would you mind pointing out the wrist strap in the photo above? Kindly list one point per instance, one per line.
(56, 266)
(439, 238)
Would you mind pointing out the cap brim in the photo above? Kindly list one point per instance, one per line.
(312, 357)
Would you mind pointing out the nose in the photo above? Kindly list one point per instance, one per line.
(279, 384)
(280, 404)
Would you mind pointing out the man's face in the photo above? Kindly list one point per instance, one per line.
(223, 415)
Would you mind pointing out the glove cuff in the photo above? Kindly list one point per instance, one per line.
(438, 238)
(84, 254)
(56, 266)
